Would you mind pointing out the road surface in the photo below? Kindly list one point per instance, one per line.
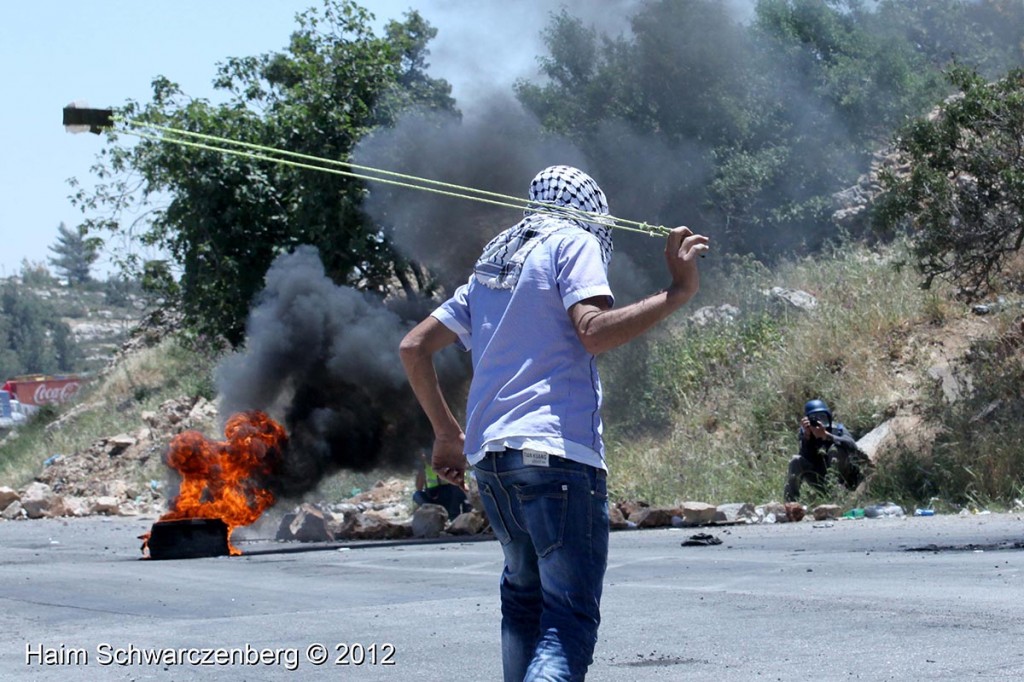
(934, 598)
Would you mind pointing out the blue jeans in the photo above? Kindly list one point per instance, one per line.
(552, 523)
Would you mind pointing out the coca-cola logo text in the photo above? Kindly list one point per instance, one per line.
(55, 394)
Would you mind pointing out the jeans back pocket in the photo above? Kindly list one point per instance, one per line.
(544, 506)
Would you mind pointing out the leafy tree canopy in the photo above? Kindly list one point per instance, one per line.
(222, 219)
(963, 198)
(762, 123)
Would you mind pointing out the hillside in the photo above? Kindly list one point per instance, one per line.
(704, 410)
(100, 316)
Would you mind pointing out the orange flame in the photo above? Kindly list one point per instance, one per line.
(227, 479)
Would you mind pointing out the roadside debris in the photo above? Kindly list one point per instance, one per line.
(701, 540)
(884, 511)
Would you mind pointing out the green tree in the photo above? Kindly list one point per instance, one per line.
(74, 254)
(981, 34)
(33, 339)
(963, 198)
(756, 127)
(222, 219)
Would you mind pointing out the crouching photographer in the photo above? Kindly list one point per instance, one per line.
(824, 445)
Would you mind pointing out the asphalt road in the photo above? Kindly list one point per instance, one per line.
(804, 601)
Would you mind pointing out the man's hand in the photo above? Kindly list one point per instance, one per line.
(449, 461)
(819, 431)
(682, 249)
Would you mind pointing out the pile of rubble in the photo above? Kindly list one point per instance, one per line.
(104, 478)
(384, 512)
(628, 515)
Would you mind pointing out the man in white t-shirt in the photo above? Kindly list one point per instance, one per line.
(535, 313)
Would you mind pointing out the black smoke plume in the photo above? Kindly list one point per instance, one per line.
(500, 149)
(324, 359)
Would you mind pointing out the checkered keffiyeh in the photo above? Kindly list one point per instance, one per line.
(502, 259)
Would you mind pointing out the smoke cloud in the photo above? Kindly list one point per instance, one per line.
(499, 151)
(324, 359)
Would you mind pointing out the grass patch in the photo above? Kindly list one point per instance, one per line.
(711, 413)
(112, 403)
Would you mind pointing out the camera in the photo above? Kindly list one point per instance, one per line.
(815, 422)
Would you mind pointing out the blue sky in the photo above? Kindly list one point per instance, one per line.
(104, 52)
(107, 51)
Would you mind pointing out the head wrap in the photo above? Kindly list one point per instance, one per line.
(502, 259)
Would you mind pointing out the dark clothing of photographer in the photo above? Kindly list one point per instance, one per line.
(824, 444)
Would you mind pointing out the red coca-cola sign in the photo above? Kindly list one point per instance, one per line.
(47, 391)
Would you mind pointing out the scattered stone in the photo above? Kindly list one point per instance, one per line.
(116, 488)
(616, 520)
(37, 500)
(104, 504)
(309, 525)
(120, 442)
(699, 513)
(14, 511)
(335, 522)
(876, 439)
(795, 511)
(365, 526)
(652, 517)
(203, 411)
(429, 520)
(392, 498)
(824, 512)
(629, 507)
(7, 496)
(467, 523)
(801, 300)
(284, 529)
(735, 512)
(773, 512)
(723, 314)
(76, 506)
(954, 379)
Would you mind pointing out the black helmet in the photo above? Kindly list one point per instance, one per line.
(817, 406)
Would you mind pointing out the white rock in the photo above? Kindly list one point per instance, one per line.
(429, 520)
(37, 500)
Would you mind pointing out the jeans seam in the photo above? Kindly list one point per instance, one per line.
(487, 490)
(596, 482)
(514, 513)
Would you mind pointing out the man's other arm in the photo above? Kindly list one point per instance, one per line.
(601, 328)
(417, 353)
